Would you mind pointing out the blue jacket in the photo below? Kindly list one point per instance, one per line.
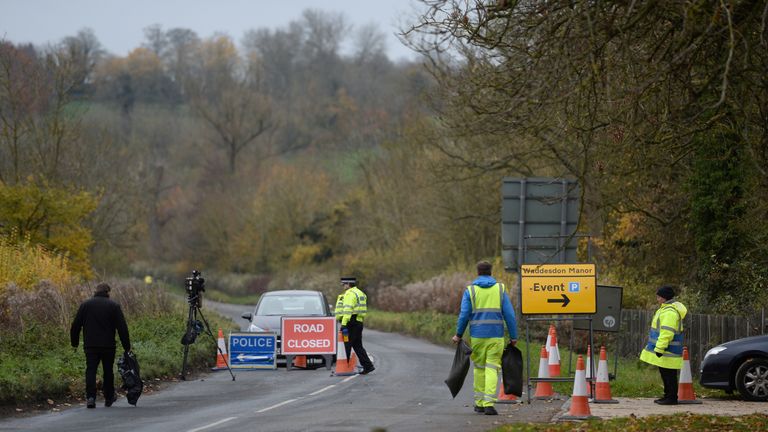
(486, 330)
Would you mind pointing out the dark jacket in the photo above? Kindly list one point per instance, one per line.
(100, 317)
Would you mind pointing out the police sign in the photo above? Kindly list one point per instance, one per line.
(252, 350)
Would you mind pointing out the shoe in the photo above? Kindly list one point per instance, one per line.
(90, 402)
(666, 402)
(479, 409)
(658, 400)
(366, 371)
(109, 401)
(490, 411)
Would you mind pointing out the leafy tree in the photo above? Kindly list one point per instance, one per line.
(49, 216)
(618, 96)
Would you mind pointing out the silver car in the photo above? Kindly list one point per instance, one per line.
(275, 304)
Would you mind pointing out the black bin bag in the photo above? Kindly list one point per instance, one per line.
(512, 370)
(460, 368)
(128, 367)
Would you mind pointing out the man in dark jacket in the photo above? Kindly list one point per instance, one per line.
(100, 318)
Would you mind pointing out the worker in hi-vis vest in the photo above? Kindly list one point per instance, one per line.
(665, 342)
(354, 308)
(486, 307)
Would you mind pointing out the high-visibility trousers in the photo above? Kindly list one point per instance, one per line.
(486, 360)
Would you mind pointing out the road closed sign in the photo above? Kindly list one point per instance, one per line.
(554, 289)
(308, 335)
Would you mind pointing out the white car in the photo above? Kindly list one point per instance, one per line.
(274, 305)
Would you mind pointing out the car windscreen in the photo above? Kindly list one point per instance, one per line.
(291, 305)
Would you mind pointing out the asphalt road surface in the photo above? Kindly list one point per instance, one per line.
(405, 393)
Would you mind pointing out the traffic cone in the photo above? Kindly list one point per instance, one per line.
(300, 361)
(589, 372)
(603, 385)
(549, 336)
(554, 358)
(222, 358)
(344, 366)
(543, 389)
(503, 397)
(685, 394)
(579, 407)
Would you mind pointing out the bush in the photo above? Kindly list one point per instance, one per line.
(24, 264)
(440, 294)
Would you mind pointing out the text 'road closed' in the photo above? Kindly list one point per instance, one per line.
(308, 335)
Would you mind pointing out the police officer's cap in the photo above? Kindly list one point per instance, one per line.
(349, 281)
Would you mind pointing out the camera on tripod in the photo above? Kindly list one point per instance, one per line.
(195, 286)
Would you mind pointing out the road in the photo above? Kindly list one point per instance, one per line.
(405, 393)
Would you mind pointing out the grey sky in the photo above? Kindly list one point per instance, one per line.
(119, 24)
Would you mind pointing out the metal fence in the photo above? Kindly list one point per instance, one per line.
(701, 332)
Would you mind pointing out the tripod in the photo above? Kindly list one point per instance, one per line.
(194, 328)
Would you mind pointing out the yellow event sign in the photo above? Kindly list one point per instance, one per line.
(558, 289)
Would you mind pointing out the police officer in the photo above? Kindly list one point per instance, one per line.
(354, 308)
(99, 318)
(665, 342)
(486, 307)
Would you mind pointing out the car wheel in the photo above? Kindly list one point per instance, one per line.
(752, 379)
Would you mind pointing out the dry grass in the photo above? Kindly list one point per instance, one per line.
(51, 304)
(440, 294)
(24, 264)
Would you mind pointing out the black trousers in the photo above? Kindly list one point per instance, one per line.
(94, 356)
(356, 341)
(669, 378)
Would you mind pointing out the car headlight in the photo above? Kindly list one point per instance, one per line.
(714, 351)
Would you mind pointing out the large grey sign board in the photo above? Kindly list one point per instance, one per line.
(608, 315)
(537, 217)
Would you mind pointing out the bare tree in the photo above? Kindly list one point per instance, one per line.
(227, 94)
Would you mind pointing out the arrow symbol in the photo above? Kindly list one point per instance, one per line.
(244, 357)
(565, 300)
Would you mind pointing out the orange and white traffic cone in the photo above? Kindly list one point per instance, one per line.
(603, 385)
(504, 397)
(549, 336)
(589, 372)
(685, 394)
(554, 358)
(222, 358)
(344, 366)
(579, 407)
(544, 389)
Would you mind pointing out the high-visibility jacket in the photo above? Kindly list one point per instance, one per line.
(666, 336)
(486, 307)
(355, 303)
(339, 309)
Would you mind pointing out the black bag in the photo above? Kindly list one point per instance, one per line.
(512, 370)
(128, 367)
(460, 368)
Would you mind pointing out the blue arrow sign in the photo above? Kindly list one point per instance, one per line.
(252, 350)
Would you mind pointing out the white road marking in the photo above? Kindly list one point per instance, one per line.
(277, 405)
(322, 390)
(212, 424)
(347, 379)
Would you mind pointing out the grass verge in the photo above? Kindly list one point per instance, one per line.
(681, 422)
(39, 365)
